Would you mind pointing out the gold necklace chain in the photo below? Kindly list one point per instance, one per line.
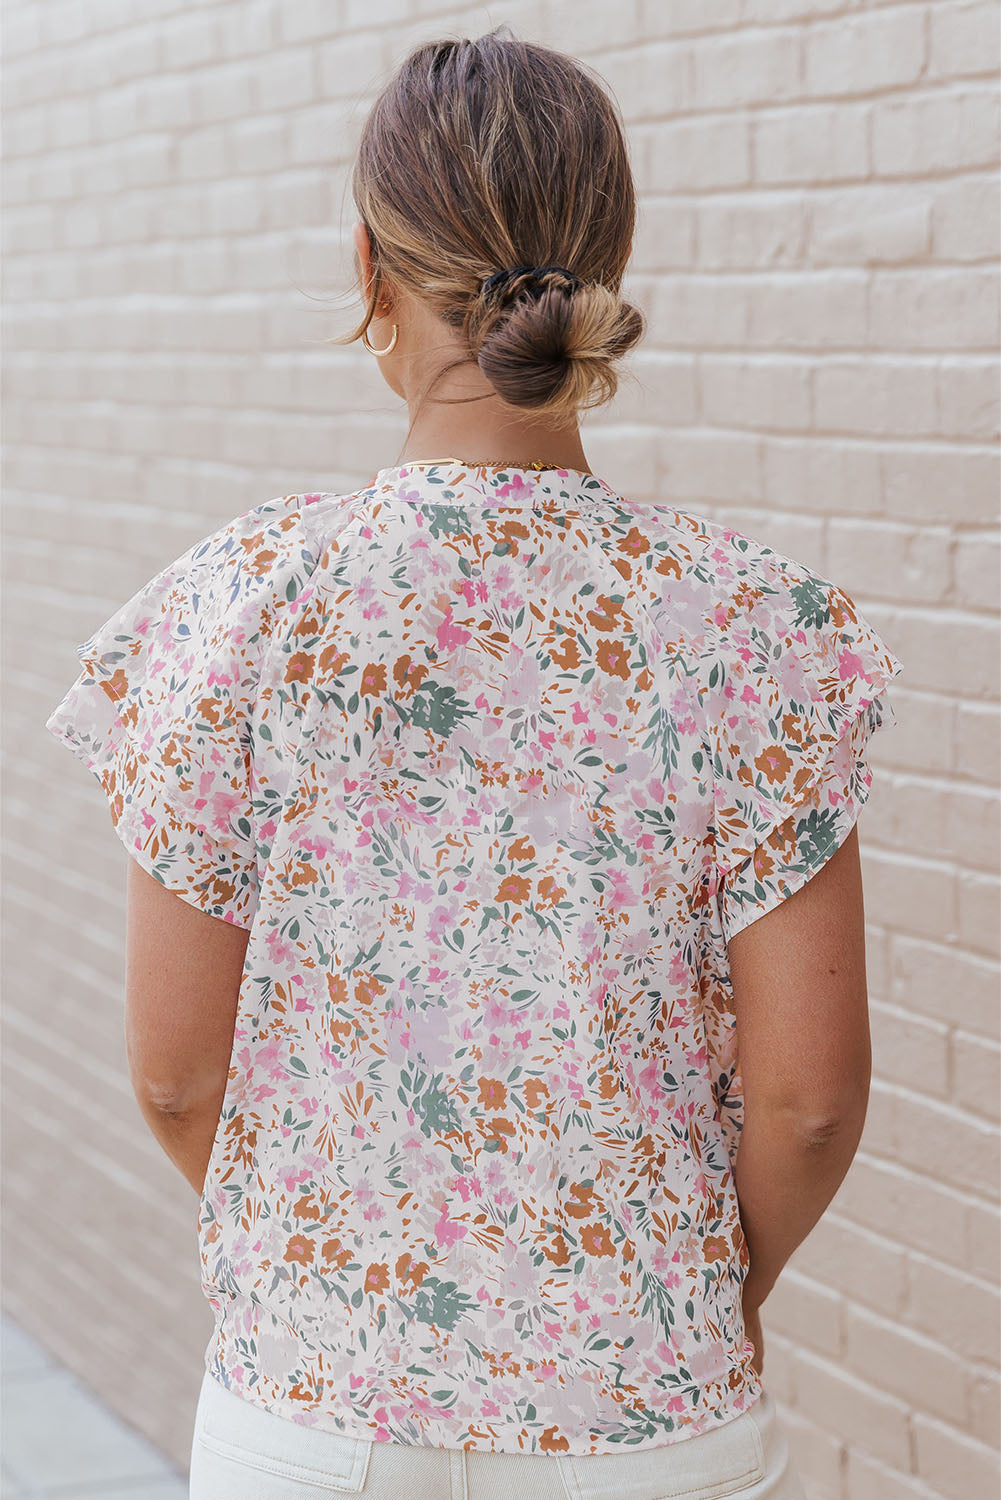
(488, 463)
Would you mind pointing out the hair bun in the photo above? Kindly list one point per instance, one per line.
(553, 348)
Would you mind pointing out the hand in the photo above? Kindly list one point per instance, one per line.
(752, 1330)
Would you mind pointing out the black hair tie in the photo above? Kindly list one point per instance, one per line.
(500, 278)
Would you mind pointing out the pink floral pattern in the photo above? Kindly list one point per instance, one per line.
(492, 765)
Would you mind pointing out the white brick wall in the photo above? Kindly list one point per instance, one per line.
(817, 255)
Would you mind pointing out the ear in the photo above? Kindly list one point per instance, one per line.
(363, 257)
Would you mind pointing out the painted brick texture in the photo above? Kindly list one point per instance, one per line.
(817, 257)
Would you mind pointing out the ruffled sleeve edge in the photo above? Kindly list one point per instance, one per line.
(853, 720)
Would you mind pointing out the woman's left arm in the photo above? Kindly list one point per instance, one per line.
(182, 985)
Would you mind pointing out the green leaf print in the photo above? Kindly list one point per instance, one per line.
(660, 821)
(816, 835)
(436, 707)
(811, 600)
(663, 740)
(440, 1303)
(447, 520)
(425, 1096)
(657, 1302)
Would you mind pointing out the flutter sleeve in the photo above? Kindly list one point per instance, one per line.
(792, 688)
(163, 712)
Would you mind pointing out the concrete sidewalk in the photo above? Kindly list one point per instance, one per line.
(61, 1442)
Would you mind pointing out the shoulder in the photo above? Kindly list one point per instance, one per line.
(219, 598)
(720, 591)
(248, 558)
(775, 616)
(253, 568)
(779, 661)
(272, 538)
(245, 583)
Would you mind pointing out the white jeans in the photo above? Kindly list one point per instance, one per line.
(242, 1452)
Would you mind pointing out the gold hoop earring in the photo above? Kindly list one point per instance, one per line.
(389, 346)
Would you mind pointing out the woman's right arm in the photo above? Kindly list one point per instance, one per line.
(800, 997)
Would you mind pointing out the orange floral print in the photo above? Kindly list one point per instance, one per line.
(606, 617)
(514, 888)
(596, 1240)
(373, 678)
(493, 1093)
(566, 654)
(300, 1248)
(774, 763)
(377, 1277)
(613, 658)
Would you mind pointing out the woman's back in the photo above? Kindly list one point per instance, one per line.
(522, 757)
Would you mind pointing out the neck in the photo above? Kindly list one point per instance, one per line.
(517, 442)
(465, 418)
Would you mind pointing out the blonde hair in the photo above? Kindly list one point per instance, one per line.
(487, 155)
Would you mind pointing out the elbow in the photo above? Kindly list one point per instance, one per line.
(177, 1097)
(173, 1082)
(821, 1118)
(825, 1102)
(817, 1131)
(819, 1125)
(164, 1099)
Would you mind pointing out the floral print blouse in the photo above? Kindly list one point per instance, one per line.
(491, 765)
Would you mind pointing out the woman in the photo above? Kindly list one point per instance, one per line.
(499, 808)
